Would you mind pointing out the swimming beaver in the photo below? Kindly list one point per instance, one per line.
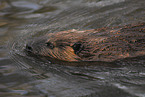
(103, 44)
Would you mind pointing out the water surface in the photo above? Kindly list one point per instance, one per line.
(25, 76)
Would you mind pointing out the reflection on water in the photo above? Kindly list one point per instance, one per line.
(25, 76)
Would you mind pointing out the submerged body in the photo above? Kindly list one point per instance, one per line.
(103, 44)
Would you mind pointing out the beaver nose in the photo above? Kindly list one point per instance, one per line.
(29, 48)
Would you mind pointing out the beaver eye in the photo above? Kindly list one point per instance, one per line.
(77, 47)
(50, 45)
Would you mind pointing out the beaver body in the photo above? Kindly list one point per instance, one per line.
(103, 44)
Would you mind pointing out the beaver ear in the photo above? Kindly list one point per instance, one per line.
(77, 47)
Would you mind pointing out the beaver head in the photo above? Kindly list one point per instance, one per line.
(71, 45)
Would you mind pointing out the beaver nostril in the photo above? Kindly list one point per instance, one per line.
(28, 48)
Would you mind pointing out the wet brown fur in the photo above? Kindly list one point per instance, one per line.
(103, 44)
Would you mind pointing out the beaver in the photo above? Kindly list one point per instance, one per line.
(102, 44)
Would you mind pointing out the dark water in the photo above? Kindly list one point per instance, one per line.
(25, 76)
